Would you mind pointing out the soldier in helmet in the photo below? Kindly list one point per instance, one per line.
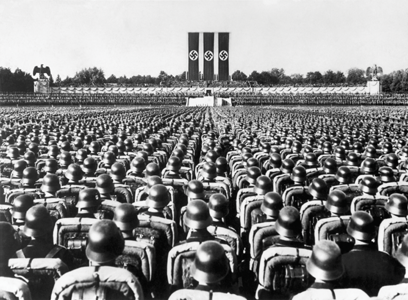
(88, 203)
(366, 267)
(325, 265)
(157, 202)
(125, 218)
(38, 226)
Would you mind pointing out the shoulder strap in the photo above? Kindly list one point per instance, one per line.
(55, 249)
(20, 254)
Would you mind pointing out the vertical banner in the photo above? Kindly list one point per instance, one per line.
(208, 56)
(193, 55)
(223, 56)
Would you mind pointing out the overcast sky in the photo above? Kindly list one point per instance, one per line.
(144, 37)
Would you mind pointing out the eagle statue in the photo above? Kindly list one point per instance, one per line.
(42, 70)
(375, 71)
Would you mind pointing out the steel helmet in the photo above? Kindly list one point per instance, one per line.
(397, 205)
(361, 226)
(221, 165)
(74, 172)
(337, 202)
(272, 204)
(174, 164)
(21, 205)
(30, 158)
(81, 155)
(275, 160)
(37, 222)
(343, 175)
(152, 169)
(352, 159)
(89, 166)
(369, 166)
(148, 148)
(263, 185)
(318, 189)
(53, 151)
(138, 165)
(118, 171)
(89, 197)
(209, 170)
(18, 168)
(298, 174)
(109, 158)
(287, 166)
(211, 156)
(386, 174)
(325, 262)
(218, 205)
(369, 185)
(288, 222)
(340, 153)
(152, 181)
(195, 189)
(104, 184)
(392, 160)
(158, 197)
(125, 217)
(251, 162)
(105, 242)
(30, 176)
(311, 160)
(94, 147)
(211, 264)
(50, 184)
(330, 166)
(371, 152)
(65, 159)
(197, 215)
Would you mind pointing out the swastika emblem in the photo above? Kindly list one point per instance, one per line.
(208, 55)
(223, 55)
(193, 55)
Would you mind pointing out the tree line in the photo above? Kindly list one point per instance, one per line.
(20, 81)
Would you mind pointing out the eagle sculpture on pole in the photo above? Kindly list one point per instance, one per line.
(375, 72)
(42, 70)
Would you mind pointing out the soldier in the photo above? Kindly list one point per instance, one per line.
(366, 267)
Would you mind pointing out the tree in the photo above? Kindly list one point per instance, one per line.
(296, 79)
(255, 76)
(90, 76)
(58, 80)
(239, 76)
(112, 79)
(314, 78)
(356, 76)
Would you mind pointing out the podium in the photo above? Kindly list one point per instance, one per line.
(374, 87)
(42, 86)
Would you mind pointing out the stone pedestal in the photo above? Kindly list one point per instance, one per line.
(42, 86)
(374, 87)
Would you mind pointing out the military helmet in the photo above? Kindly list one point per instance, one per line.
(18, 168)
(352, 159)
(30, 176)
(37, 222)
(195, 189)
(369, 166)
(337, 202)
(50, 184)
(89, 166)
(105, 242)
(109, 158)
(104, 184)
(197, 215)
(298, 174)
(218, 205)
(287, 166)
(386, 174)
(158, 197)
(221, 165)
(209, 170)
(275, 160)
(263, 185)
(272, 204)
(369, 185)
(397, 204)
(118, 171)
(311, 160)
(211, 264)
(21, 204)
(361, 226)
(325, 262)
(288, 222)
(74, 172)
(174, 164)
(318, 189)
(392, 160)
(343, 175)
(125, 217)
(330, 166)
(152, 169)
(89, 197)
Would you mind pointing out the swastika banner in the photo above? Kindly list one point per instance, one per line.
(208, 55)
(193, 40)
(223, 56)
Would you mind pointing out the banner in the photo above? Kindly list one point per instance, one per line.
(193, 55)
(223, 56)
(208, 56)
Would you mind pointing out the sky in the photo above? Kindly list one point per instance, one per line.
(132, 37)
